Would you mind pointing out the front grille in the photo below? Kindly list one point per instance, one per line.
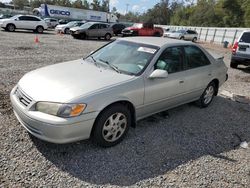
(23, 98)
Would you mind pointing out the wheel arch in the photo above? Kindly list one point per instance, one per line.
(125, 103)
(216, 82)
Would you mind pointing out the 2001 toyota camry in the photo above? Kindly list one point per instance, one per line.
(104, 94)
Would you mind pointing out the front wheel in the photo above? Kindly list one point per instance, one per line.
(107, 36)
(112, 125)
(39, 29)
(11, 27)
(66, 31)
(207, 96)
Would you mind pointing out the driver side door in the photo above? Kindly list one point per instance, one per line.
(163, 93)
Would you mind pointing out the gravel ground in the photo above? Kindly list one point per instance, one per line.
(188, 147)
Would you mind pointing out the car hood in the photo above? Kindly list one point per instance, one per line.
(64, 82)
(76, 28)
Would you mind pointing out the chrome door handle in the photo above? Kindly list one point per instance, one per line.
(181, 81)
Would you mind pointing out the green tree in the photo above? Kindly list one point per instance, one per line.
(96, 5)
(20, 3)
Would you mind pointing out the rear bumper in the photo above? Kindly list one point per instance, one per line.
(241, 59)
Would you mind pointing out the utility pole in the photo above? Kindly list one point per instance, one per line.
(127, 5)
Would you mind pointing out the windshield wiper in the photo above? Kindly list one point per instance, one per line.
(111, 65)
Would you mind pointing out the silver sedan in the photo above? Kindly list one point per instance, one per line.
(102, 95)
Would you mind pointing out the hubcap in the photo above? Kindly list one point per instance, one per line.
(209, 93)
(11, 28)
(108, 37)
(114, 127)
(40, 29)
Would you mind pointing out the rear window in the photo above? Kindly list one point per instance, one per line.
(245, 37)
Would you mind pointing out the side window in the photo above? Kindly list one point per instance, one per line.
(95, 26)
(103, 26)
(23, 18)
(170, 60)
(33, 19)
(195, 57)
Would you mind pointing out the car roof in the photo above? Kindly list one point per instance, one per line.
(155, 41)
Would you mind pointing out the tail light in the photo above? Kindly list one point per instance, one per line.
(235, 47)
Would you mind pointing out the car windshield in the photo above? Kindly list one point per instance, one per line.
(127, 57)
(138, 25)
(71, 23)
(14, 17)
(180, 31)
(86, 25)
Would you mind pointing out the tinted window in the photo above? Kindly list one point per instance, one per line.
(103, 26)
(245, 37)
(195, 57)
(95, 26)
(170, 60)
(28, 18)
(23, 18)
(191, 32)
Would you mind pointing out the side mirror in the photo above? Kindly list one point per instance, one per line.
(158, 73)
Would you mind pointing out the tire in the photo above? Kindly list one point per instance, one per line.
(157, 34)
(194, 39)
(39, 29)
(11, 27)
(66, 31)
(233, 65)
(109, 131)
(107, 36)
(83, 36)
(208, 95)
(182, 38)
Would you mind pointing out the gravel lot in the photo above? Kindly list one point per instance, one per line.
(188, 147)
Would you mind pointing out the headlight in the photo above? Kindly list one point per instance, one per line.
(61, 110)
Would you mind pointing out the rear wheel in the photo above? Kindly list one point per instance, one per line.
(194, 39)
(66, 31)
(208, 95)
(11, 27)
(182, 38)
(157, 34)
(107, 36)
(39, 29)
(233, 64)
(112, 125)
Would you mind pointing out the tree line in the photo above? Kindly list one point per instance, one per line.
(209, 13)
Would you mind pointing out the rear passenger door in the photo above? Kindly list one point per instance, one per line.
(198, 71)
(93, 30)
(103, 29)
(166, 92)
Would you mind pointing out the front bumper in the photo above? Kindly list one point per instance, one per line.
(60, 130)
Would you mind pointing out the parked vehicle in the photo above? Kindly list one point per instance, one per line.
(184, 35)
(51, 22)
(26, 22)
(68, 13)
(64, 28)
(117, 28)
(104, 94)
(142, 29)
(4, 16)
(167, 32)
(92, 30)
(241, 51)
